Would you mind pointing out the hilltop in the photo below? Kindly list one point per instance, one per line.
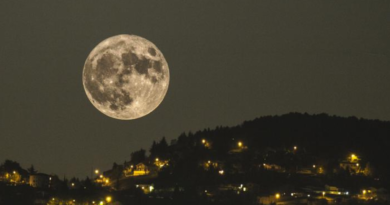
(292, 158)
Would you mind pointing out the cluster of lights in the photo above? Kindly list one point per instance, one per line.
(221, 172)
(151, 187)
(354, 158)
(158, 162)
(108, 200)
(101, 179)
(241, 187)
(13, 177)
(293, 194)
(205, 143)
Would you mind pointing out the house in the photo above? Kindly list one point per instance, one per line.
(273, 167)
(160, 163)
(267, 200)
(140, 169)
(207, 165)
(352, 164)
(353, 167)
(39, 180)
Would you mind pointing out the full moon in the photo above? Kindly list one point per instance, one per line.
(126, 77)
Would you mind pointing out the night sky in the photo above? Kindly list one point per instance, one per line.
(229, 62)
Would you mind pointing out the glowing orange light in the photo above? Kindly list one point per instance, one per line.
(108, 199)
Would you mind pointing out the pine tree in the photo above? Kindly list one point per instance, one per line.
(153, 149)
(32, 170)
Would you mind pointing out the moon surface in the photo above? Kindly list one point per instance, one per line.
(126, 77)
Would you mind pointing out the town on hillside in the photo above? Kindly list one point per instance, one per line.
(226, 165)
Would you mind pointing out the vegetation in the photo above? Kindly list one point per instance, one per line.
(292, 153)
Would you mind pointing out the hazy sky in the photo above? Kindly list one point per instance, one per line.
(229, 61)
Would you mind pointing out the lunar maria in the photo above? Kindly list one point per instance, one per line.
(126, 77)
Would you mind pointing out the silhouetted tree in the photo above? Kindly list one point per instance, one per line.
(138, 156)
(153, 149)
(32, 170)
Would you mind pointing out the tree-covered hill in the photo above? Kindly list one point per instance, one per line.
(319, 139)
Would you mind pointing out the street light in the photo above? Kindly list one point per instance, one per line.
(108, 199)
(97, 171)
(353, 157)
(239, 144)
(277, 196)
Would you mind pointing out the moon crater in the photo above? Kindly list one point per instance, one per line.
(126, 77)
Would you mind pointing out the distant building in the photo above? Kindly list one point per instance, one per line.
(39, 180)
(273, 167)
(267, 200)
(353, 167)
(12, 177)
(207, 165)
(161, 163)
(141, 169)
